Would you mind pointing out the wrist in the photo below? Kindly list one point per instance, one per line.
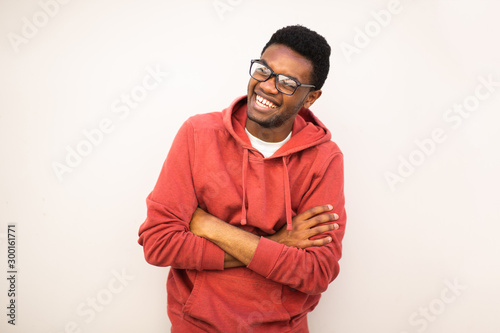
(274, 237)
(202, 223)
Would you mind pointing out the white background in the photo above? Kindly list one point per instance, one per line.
(404, 244)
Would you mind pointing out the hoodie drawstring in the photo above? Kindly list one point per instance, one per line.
(244, 185)
(288, 198)
(286, 185)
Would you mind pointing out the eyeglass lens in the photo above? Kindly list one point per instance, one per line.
(284, 83)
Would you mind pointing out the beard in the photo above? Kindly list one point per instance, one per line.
(273, 122)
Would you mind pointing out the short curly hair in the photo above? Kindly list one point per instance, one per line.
(310, 45)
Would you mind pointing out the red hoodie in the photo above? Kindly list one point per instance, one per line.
(212, 164)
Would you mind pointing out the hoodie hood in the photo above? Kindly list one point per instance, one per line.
(307, 131)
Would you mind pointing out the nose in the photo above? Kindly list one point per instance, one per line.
(269, 86)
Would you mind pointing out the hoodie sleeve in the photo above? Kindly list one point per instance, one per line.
(308, 270)
(165, 234)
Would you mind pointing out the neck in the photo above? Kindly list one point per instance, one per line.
(269, 134)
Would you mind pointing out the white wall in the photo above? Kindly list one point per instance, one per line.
(407, 243)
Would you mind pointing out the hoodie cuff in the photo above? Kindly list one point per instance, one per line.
(212, 257)
(265, 257)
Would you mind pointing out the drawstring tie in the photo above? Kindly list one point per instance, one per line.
(244, 185)
(288, 199)
(286, 185)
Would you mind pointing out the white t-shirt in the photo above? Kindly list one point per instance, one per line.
(266, 148)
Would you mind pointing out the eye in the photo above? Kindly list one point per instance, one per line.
(262, 70)
(288, 82)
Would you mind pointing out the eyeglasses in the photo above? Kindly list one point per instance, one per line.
(285, 84)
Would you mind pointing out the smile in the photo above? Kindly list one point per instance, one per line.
(261, 101)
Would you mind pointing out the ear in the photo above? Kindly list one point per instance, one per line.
(311, 98)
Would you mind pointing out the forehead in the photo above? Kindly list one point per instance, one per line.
(284, 60)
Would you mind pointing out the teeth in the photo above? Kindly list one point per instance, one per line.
(265, 102)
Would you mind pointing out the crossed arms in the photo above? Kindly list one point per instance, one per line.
(178, 234)
(239, 245)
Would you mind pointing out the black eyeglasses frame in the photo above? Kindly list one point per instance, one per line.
(259, 61)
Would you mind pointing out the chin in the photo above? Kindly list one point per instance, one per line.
(272, 122)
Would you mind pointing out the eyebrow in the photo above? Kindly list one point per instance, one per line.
(265, 63)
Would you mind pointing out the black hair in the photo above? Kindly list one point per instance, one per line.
(310, 45)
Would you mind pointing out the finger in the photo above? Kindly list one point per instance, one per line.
(319, 230)
(319, 219)
(322, 229)
(316, 211)
(320, 242)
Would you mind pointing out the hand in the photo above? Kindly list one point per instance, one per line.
(304, 226)
(199, 221)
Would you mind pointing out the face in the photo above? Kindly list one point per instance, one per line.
(269, 110)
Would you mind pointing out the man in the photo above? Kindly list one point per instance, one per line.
(248, 210)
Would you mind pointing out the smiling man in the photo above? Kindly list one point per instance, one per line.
(248, 210)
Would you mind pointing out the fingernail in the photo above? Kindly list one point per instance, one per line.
(330, 207)
(335, 216)
(336, 226)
